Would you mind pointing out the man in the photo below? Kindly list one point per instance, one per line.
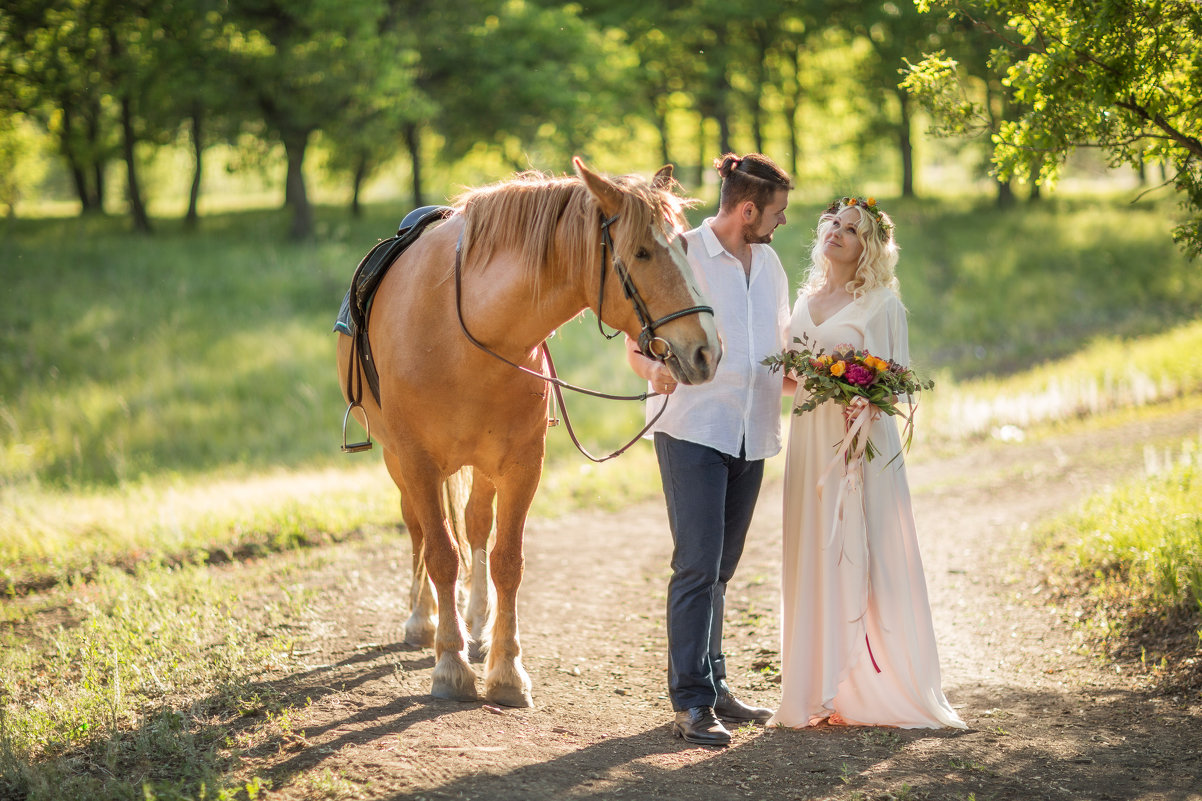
(712, 440)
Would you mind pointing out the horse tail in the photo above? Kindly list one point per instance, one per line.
(455, 492)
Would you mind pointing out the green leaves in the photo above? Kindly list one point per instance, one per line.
(1121, 75)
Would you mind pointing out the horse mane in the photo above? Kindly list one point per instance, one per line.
(552, 224)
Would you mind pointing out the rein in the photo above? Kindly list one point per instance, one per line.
(647, 339)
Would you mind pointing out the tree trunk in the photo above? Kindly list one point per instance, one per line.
(762, 40)
(661, 126)
(905, 145)
(296, 196)
(193, 215)
(79, 177)
(137, 209)
(98, 159)
(357, 185)
(791, 109)
(1005, 194)
(413, 141)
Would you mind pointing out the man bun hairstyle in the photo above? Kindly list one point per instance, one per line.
(753, 177)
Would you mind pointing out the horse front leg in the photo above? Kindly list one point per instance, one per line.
(479, 519)
(453, 677)
(506, 681)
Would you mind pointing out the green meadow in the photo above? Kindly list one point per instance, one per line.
(170, 402)
(170, 396)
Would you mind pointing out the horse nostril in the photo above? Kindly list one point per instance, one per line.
(706, 359)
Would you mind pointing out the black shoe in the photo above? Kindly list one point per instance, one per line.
(699, 725)
(731, 708)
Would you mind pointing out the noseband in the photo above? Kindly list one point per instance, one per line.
(647, 341)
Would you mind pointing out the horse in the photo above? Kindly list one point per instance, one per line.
(456, 327)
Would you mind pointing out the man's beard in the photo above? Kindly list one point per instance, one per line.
(751, 237)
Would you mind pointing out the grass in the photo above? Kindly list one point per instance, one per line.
(148, 688)
(1136, 551)
(1106, 374)
(174, 396)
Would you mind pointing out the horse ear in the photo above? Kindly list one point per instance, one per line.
(663, 178)
(608, 196)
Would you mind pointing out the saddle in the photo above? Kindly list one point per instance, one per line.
(356, 305)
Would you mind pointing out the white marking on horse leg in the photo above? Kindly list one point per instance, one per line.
(453, 677)
(506, 681)
(479, 606)
(419, 628)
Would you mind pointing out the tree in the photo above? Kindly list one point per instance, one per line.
(893, 30)
(299, 63)
(51, 52)
(534, 82)
(1124, 76)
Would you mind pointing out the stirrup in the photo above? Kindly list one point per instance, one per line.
(355, 447)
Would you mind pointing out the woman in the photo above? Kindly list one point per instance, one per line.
(858, 646)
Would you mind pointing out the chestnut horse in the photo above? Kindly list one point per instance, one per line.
(514, 261)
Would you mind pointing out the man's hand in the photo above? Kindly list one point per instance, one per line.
(660, 377)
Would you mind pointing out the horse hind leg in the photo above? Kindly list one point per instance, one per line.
(478, 521)
(423, 606)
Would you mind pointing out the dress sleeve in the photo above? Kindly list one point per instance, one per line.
(887, 334)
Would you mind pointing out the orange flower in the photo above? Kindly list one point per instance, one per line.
(838, 368)
(871, 202)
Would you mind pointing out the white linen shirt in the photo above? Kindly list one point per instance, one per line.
(742, 404)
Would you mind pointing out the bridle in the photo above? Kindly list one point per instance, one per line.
(647, 341)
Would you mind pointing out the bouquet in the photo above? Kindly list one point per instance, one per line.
(850, 378)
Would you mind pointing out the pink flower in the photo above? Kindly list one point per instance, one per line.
(859, 375)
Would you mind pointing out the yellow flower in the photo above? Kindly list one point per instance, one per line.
(879, 364)
(826, 360)
(871, 201)
(838, 368)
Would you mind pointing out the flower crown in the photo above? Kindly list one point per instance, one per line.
(869, 205)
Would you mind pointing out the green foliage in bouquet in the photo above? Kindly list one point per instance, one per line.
(845, 374)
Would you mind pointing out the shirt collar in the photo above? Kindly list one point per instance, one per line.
(713, 247)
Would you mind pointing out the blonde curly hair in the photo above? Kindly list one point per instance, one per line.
(878, 261)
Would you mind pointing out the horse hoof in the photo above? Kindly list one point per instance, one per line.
(510, 696)
(477, 651)
(454, 679)
(419, 632)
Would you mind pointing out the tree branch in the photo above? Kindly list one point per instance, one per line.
(1190, 143)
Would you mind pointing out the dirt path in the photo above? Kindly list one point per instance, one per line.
(1046, 720)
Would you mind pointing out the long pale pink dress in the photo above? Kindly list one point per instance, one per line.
(857, 637)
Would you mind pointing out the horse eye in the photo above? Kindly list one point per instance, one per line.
(642, 253)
